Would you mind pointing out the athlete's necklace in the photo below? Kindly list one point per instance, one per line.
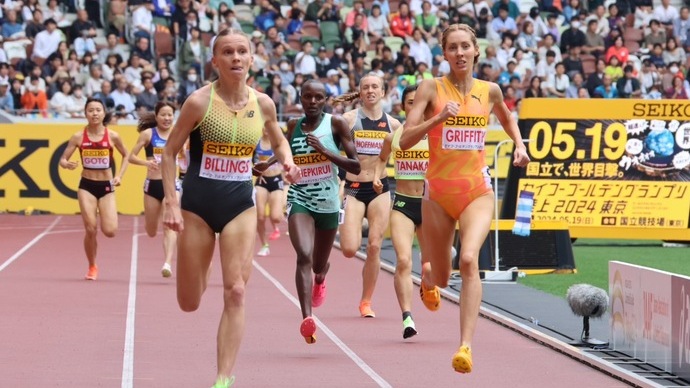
(458, 85)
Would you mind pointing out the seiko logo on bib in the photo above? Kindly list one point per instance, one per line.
(314, 167)
(457, 135)
(226, 162)
(369, 142)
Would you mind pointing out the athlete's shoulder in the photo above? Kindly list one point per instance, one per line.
(395, 123)
(199, 98)
(337, 119)
(494, 90)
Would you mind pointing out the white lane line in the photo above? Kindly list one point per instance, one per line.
(128, 358)
(29, 244)
(349, 352)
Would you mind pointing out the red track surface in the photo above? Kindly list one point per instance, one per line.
(57, 330)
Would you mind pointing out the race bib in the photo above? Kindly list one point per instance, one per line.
(315, 167)
(369, 142)
(226, 162)
(96, 159)
(465, 139)
(411, 162)
(158, 154)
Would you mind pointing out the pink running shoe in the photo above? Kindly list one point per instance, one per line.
(275, 235)
(308, 330)
(318, 294)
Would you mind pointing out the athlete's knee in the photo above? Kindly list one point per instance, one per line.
(233, 294)
(109, 231)
(188, 303)
(349, 252)
(91, 230)
(151, 230)
(403, 264)
(303, 258)
(469, 265)
(260, 217)
(276, 218)
(373, 248)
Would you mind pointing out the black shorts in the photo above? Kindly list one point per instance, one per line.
(271, 183)
(98, 189)
(411, 207)
(364, 191)
(154, 188)
(216, 202)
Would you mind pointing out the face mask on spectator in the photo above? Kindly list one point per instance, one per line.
(339, 51)
(191, 77)
(284, 67)
(674, 69)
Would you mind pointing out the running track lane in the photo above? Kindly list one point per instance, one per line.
(59, 330)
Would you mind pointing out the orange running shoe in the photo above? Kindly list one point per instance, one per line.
(93, 273)
(462, 360)
(308, 329)
(365, 310)
(430, 298)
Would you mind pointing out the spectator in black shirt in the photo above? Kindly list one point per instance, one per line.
(573, 64)
(81, 24)
(143, 51)
(34, 26)
(573, 37)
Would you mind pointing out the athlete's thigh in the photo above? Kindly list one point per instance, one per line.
(195, 246)
(438, 229)
(275, 203)
(88, 207)
(475, 223)
(378, 214)
(301, 228)
(351, 229)
(236, 246)
(322, 247)
(402, 233)
(107, 209)
(153, 212)
(261, 195)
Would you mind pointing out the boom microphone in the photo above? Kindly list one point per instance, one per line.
(587, 301)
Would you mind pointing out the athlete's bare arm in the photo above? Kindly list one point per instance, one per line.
(120, 147)
(143, 140)
(72, 145)
(383, 159)
(341, 130)
(350, 117)
(415, 126)
(520, 157)
(191, 114)
(281, 148)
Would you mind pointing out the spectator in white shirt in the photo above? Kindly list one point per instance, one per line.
(47, 41)
(305, 63)
(52, 11)
(121, 96)
(95, 81)
(85, 44)
(599, 15)
(419, 49)
(142, 19)
(112, 48)
(666, 13)
(377, 23)
(547, 66)
(76, 102)
(58, 102)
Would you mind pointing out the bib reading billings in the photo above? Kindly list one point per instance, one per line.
(230, 162)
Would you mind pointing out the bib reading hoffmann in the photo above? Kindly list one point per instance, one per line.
(226, 162)
(466, 133)
(369, 142)
(96, 159)
(315, 167)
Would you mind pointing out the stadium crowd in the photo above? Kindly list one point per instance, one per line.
(132, 54)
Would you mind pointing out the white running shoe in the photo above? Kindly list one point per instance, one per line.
(264, 251)
(166, 271)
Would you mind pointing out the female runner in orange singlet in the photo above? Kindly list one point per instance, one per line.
(454, 112)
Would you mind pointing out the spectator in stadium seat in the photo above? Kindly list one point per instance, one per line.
(657, 57)
(95, 81)
(40, 84)
(614, 69)
(666, 13)
(11, 29)
(572, 37)
(656, 35)
(34, 25)
(628, 86)
(557, 83)
(179, 17)
(46, 41)
(681, 26)
(677, 89)
(52, 11)
(615, 19)
(112, 48)
(599, 15)
(313, 10)
(193, 53)
(387, 61)
(142, 19)
(163, 8)
(594, 43)
(81, 24)
(5, 72)
(419, 49)
(132, 73)
(323, 63)
(329, 12)
(85, 44)
(58, 103)
(504, 24)
(576, 83)
(606, 89)
(121, 96)
(34, 99)
(401, 23)
(357, 31)
(643, 15)
(17, 90)
(648, 76)
(189, 84)
(619, 50)
(573, 64)
(512, 8)
(673, 53)
(274, 39)
(357, 9)
(50, 68)
(378, 24)
(6, 100)
(142, 49)
(266, 17)
(28, 9)
(149, 96)
(305, 63)
(104, 95)
(76, 102)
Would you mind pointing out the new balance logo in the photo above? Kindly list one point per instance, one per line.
(249, 114)
(399, 203)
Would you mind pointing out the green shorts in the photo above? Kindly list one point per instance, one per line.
(322, 221)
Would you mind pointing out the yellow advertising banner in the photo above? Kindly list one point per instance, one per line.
(30, 175)
(610, 166)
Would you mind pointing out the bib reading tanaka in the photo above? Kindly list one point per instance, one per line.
(411, 163)
(226, 162)
(315, 167)
(369, 142)
(96, 159)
